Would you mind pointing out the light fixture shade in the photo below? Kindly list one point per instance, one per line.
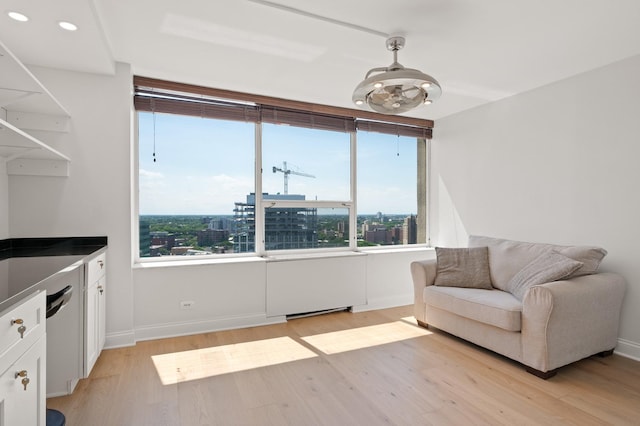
(395, 89)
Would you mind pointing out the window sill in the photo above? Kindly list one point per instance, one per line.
(308, 256)
(194, 262)
(280, 257)
(396, 249)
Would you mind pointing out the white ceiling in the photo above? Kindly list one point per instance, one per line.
(318, 51)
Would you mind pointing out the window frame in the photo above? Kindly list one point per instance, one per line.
(249, 105)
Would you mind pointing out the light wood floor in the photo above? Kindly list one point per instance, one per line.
(367, 368)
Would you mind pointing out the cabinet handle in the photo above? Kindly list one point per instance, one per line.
(25, 380)
(101, 289)
(22, 327)
(101, 263)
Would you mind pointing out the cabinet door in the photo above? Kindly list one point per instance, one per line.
(95, 335)
(92, 324)
(95, 320)
(102, 319)
(20, 405)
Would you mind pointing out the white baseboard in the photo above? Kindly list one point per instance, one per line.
(163, 331)
(120, 340)
(628, 349)
(385, 302)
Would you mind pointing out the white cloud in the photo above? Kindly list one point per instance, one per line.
(150, 175)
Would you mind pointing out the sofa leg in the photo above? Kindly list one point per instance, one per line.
(542, 374)
(605, 353)
(422, 324)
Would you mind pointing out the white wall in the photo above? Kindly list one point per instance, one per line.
(388, 277)
(559, 164)
(224, 295)
(4, 201)
(233, 294)
(95, 198)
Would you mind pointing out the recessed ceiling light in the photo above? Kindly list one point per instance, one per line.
(18, 16)
(67, 26)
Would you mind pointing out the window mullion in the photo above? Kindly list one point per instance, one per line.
(258, 208)
(353, 211)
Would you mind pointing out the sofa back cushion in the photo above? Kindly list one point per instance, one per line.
(508, 257)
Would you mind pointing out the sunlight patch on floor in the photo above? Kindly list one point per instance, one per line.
(177, 367)
(365, 337)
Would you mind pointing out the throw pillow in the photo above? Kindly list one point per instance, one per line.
(463, 267)
(549, 266)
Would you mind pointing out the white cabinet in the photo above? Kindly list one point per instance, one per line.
(27, 109)
(95, 324)
(23, 363)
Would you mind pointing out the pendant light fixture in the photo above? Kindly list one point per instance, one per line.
(395, 89)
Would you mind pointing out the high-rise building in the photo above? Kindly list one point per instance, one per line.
(285, 227)
(410, 230)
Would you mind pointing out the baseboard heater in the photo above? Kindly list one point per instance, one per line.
(314, 313)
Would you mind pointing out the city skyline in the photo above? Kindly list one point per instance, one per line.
(285, 229)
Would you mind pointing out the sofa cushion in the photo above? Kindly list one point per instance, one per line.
(549, 266)
(463, 267)
(494, 307)
(507, 257)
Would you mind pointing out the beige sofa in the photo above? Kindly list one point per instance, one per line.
(555, 323)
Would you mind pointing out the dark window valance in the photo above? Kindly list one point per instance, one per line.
(176, 98)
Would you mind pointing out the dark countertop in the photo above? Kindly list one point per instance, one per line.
(57, 246)
(27, 262)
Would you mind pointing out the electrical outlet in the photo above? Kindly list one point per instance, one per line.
(187, 304)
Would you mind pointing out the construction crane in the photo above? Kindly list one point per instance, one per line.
(286, 171)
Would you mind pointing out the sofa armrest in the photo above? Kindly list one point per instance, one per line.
(565, 321)
(423, 273)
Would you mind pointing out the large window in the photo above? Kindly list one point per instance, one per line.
(217, 177)
(391, 210)
(191, 173)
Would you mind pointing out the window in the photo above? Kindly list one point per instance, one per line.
(309, 162)
(191, 173)
(220, 175)
(390, 206)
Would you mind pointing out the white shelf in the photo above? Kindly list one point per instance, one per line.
(26, 105)
(17, 143)
(20, 90)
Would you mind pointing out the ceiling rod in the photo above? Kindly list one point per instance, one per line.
(319, 17)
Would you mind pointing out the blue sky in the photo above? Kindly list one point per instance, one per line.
(203, 166)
